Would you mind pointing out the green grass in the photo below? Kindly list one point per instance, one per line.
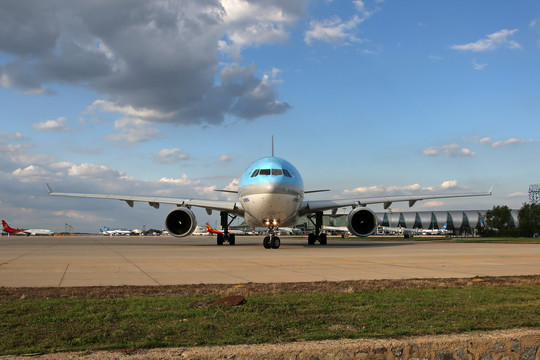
(56, 325)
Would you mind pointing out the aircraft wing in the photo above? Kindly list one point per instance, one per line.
(154, 201)
(322, 205)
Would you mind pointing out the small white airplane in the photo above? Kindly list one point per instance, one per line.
(271, 195)
(26, 232)
(114, 232)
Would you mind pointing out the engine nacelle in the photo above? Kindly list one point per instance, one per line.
(362, 222)
(181, 222)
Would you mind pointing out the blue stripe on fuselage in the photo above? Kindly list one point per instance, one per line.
(271, 163)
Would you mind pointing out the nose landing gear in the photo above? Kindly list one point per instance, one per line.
(271, 240)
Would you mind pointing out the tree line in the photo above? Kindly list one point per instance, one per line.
(499, 221)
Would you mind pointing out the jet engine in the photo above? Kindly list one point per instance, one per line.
(362, 222)
(181, 222)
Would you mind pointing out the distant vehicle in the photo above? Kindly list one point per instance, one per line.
(337, 230)
(114, 232)
(201, 230)
(406, 232)
(290, 231)
(26, 232)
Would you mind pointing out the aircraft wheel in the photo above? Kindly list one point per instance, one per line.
(311, 239)
(323, 239)
(275, 243)
(232, 239)
(266, 242)
(220, 239)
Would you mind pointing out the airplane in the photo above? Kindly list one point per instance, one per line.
(270, 194)
(107, 231)
(26, 232)
(443, 230)
(213, 231)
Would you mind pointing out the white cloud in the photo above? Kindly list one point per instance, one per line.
(31, 173)
(450, 150)
(333, 30)
(134, 130)
(11, 136)
(185, 180)
(433, 203)
(168, 156)
(127, 110)
(381, 190)
(80, 215)
(58, 124)
(510, 141)
(516, 194)
(478, 66)
(225, 159)
(86, 170)
(491, 42)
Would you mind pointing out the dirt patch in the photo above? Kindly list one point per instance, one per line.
(517, 344)
(260, 288)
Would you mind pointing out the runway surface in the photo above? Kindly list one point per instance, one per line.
(102, 260)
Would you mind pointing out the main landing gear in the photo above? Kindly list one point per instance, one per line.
(271, 240)
(317, 235)
(225, 223)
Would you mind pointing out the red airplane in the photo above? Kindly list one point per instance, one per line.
(211, 230)
(26, 232)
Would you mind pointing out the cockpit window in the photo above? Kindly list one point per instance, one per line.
(255, 173)
(264, 172)
(277, 172)
(286, 172)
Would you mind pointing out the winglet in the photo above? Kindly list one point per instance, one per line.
(491, 189)
(50, 189)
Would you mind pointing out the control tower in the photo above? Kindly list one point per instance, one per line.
(534, 194)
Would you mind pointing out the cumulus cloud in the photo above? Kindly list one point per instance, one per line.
(31, 173)
(133, 130)
(491, 42)
(169, 156)
(58, 124)
(86, 170)
(158, 61)
(450, 150)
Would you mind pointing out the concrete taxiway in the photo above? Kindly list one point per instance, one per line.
(102, 260)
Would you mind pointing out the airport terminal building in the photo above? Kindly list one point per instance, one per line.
(458, 222)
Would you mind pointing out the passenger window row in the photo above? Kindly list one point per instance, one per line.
(274, 172)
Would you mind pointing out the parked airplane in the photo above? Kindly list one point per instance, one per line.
(270, 194)
(213, 231)
(114, 232)
(26, 232)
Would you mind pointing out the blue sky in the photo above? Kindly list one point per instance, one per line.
(366, 98)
